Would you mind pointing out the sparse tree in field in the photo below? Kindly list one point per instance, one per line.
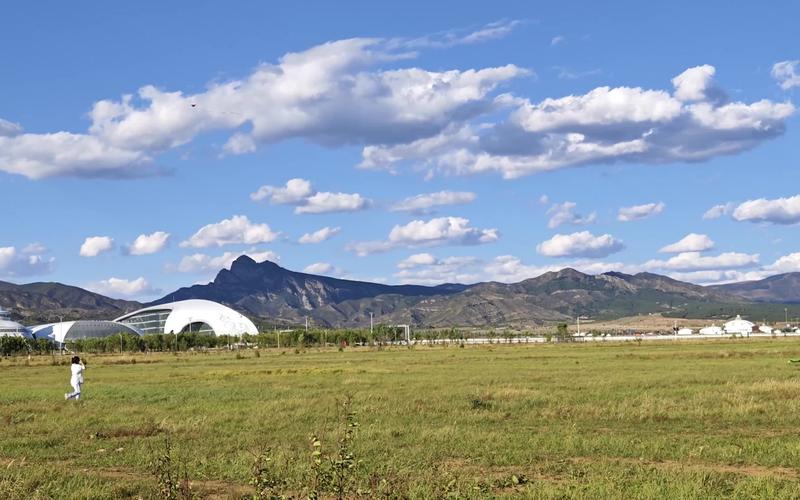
(562, 333)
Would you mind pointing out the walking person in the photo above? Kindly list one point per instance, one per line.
(76, 380)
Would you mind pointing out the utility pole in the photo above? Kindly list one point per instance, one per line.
(370, 323)
(786, 315)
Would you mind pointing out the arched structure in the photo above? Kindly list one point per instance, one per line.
(10, 328)
(194, 315)
(65, 331)
(739, 326)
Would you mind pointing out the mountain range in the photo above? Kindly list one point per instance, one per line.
(273, 295)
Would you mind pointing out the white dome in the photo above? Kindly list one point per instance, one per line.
(193, 314)
(739, 325)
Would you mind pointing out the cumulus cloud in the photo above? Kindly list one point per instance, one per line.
(236, 230)
(146, 244)
(323, 268)
(694, 84)
(777, 211)
(9, 129)
(434, 232)
(582, 244)
(562, 213)
(16, 264)
(423, 203)
(693, 123)
(785, 72)
(425, 269)
(692, 242)
(119, 287)
(786, 264)
(307, 200)
(319, 235)
(636, 212)
(694, 261)
(558, 39)
(200, 263)
(718, 211)
(95, 245)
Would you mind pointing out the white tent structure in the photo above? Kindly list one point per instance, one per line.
(711, 330)
(10, 328)
(765, 329)
(685, 331)
(739, 326)
(194, 315)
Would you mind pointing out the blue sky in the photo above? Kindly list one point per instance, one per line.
(460, 142)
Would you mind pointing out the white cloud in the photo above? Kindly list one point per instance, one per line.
(9, 129)
(694, 83)
(718, 211)
(324, 203)
(236, 230)
(422, 203)
(14, 264)
(604, 125)
(435, 232)
(786, 264)
(333, 94)
(558, 39)
(718, 277)
(323, 268)
(562, 213)
(452, 38)
(694, 261)
(299, 192)
(119, 287)
(418, 259)
(692, 242)
(544, 199)
(200, 263)
(320, 235)
(777, 211)
(582, 244)
(785, 72)
(95, 245)
(510, 269)
(636, 212)
(425, 269)
(146, 244)
(34, 248)
(295, 192)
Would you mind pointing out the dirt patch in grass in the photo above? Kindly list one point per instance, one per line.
(692, 466)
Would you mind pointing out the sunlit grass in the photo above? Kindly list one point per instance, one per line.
(606, 420)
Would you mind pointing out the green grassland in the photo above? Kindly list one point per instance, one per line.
(656, 420)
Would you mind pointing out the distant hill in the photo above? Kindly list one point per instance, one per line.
(781, 288)
(269, 291)
(45, 302)
(272, 295)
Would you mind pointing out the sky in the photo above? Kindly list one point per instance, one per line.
(144, 146)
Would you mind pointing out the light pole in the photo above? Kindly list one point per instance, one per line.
(370, 323)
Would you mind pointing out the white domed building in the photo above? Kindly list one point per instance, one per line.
(711, 330)
(66, 331)
(10, 328)
(194, 315)
(739, 326)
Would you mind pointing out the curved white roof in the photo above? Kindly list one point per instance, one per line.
(9, 328)
(222, 319)
(739, 325)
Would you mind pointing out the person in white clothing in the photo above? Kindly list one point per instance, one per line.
(76, 380)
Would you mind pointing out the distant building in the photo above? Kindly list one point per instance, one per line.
(739, 326)
(63, 332)
(685, 331)
(765, 329)
(10, 328)
(711, 330)
(195, 315)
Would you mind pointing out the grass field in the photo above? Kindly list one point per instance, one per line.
(657, 420)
